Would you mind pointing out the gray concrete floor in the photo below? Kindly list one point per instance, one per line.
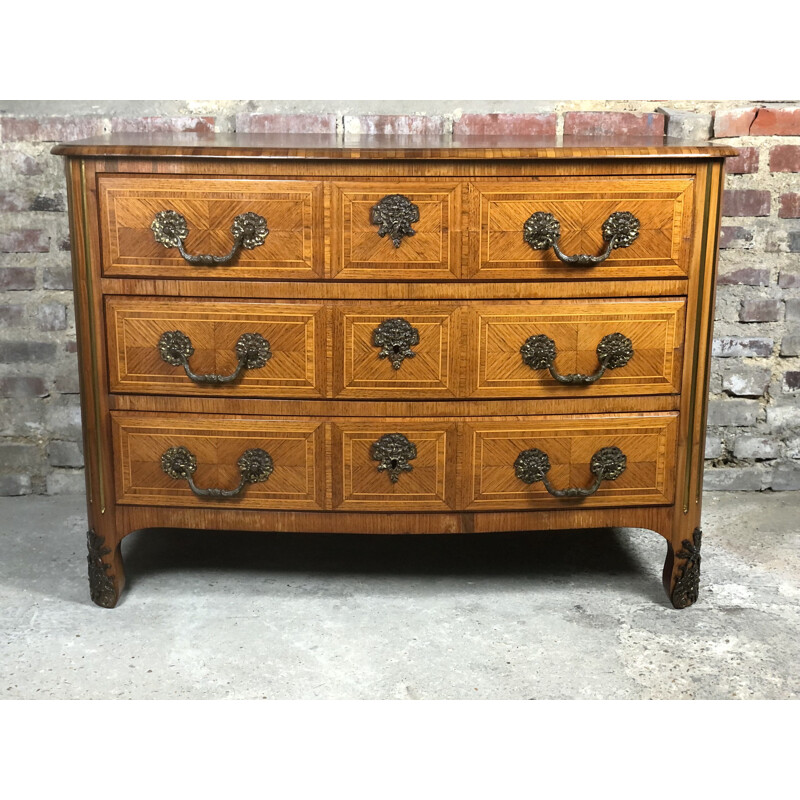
(517, 616)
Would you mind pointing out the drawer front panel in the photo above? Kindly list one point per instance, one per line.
(499, 211)
(360, 252)
(576, 338)
(295, 447)
(492, 450)
(413, 470)
(401, 351)
(292, 355)
(293, 212)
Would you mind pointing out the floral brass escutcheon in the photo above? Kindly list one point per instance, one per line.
(394, 215)
(614, 351)
(394, 451)
(621, 229)
(395, 337)
(541, 230)
(175, 348)
(608, 463)
(531, 465)
(169, 228)
(253, 350)
(251, 228)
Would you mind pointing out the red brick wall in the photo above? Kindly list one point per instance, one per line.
(754, 422)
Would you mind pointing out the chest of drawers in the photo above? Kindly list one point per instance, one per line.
(393, 335)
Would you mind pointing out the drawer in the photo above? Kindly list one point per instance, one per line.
(272, 349)
(395, 230)
(579, 209)
(394, 465)
(153, 453)
(289, 244)
(396, 351)
(552, 348)
(508, 462)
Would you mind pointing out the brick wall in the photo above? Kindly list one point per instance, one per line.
(754, 423)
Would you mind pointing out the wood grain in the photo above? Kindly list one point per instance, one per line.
(492, 447)
(386, 147)
(292, 209)
(499, 210)
(358, 252)
(498, 331)
(433, 371)
(296, 448)
(296, 336)
(430, 485)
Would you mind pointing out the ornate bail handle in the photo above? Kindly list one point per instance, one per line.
(254, 465)
(249, 231)
(542, 231)
(614, 351)
(252, 350)
(394, 215)
(607, 464)
(395, 337)
(394, 451)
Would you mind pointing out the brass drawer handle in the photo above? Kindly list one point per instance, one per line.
(607, 464)
(254, 465)
(614, 351)
(394, 451)
(394, 215)
(395, 337)
(252, 350)
(542, 231)
(249, 231)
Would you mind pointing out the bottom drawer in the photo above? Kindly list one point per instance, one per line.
(244, 463)
(408, 464)
(557, 462)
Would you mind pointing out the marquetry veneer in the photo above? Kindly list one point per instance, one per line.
(393, 335)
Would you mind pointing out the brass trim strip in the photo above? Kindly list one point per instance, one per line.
(74, 233)
(710, 326)
(687, 490)
(92, 340)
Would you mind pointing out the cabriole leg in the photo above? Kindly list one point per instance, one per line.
(682, 571)
(106, 571)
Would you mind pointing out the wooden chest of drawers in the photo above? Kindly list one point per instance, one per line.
(393, 335)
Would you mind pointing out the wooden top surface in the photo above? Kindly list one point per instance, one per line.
(331, 146)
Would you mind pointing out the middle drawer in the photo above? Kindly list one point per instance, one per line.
(381, 349)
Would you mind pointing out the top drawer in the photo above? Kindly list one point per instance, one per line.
(396, 229)
(288, 244)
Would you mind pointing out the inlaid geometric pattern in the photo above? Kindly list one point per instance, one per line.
(359, 253)
(431, 372)
(296, 336)
(581, 205)
(429, 486)
(292, 209)
(296, 448)
(648, 442)
(654, 327)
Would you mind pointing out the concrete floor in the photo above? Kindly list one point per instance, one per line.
(512, 616)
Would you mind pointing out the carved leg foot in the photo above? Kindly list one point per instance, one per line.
(682, 571)
(106, 572)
